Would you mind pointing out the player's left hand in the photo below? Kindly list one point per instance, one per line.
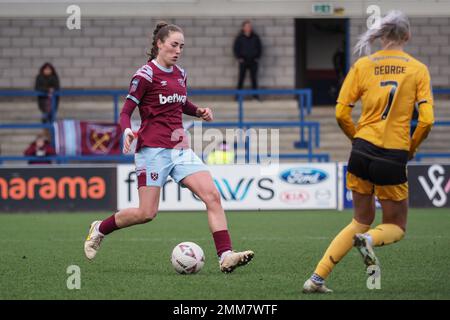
(205, 113)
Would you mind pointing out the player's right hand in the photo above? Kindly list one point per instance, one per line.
(128, 137)
(411, 154)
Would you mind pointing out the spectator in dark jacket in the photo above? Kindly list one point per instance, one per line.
(248, 50)
(41, 147)
(47, 81)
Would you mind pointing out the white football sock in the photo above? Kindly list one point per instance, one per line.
(96, 228)
(368, 238)
(224, 254)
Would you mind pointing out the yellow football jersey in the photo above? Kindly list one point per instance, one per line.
(389, 83)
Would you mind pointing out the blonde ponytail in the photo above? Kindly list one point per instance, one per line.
(393, 27)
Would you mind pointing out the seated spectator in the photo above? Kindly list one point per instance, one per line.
(221, 155)
(41, 147)
(47, 81)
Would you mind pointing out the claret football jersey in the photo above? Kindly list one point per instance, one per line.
(160, 94)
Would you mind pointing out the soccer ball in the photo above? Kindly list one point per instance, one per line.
(187, 257)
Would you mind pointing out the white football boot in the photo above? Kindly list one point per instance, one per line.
(93, 240)
(361, 243)
(233, 259)
(312, 287)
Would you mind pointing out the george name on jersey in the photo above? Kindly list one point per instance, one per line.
(380, 70)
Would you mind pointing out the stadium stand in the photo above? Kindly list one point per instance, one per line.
(24, 110)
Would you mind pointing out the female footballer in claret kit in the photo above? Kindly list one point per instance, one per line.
(389, 84)
(158, 90)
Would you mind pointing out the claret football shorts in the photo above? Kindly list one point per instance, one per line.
(154, 165)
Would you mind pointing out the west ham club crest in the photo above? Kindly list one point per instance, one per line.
(154, 176)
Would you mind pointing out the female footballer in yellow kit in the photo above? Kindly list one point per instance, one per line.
(389, 83)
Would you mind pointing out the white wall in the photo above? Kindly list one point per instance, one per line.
(107, 51)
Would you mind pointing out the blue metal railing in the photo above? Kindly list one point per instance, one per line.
(441, 91)
(304, 101)
(66, 159)
(421, 155)
(26, 126)
(304, 97)
(312, 129)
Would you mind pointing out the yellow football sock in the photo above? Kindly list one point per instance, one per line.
(386, 234)
(339, 247)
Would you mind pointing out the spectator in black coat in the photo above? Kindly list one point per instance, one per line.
(248, 50)
(47, 81)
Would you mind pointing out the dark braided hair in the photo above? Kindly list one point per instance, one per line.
(161, 32)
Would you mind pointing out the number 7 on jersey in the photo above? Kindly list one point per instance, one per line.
(394, 85)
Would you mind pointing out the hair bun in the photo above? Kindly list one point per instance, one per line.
(159, 25)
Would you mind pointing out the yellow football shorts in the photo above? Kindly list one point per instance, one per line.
(396, 192)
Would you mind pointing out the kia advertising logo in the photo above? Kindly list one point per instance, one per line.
(304, 176)
(294, 196)
(435, 186)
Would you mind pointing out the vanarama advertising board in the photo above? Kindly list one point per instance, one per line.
(62, 188)
(246, 187)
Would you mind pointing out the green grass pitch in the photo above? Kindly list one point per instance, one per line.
(36, 250)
